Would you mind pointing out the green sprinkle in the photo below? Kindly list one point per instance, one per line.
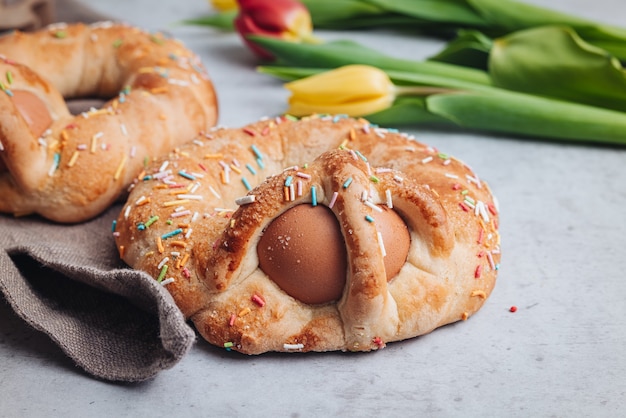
(162, 273)
(151, 221)
(347, 183)
(60, 34)
(291, 118)
(9, 77)
(313, 196)
(464, 192)
(117, 43)
(374, 179)
(443, 156)
(169, 222)
(156, 40)
(228, 344)
(146, 160)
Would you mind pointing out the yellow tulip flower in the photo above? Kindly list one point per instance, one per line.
(354, 90)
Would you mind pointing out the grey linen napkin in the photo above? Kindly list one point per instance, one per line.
(68, 282)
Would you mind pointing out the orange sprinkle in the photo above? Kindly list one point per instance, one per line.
(214, 156)
(144, 202)
(162, 116)
(352, 134)
(286, 193)
(159, 243)
(141, 175)
(184, 260)
(64, 136)
(464, 316)
(118, 172)
(178, 244)
(122, 250)
(244, 312)
(480, 293)
(175, 202)
(73, 159)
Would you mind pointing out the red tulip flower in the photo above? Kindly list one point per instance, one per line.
(285, 19)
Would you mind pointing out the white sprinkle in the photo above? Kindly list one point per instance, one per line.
(364, 195)
(123, 129)
(447, 161)
(398, 178)
(212, 190)
(293, 346)
(194, 188)
(427, 159)
(389, 199)
(176, 82)
(451, 176)
(196, 174)
(371, 204)
(292, 192)
(333, 199)
(162, 263)
(98, 135)
(188, 234)
(163, 166)
(167, 281)
(140, 200)
(482, 210)
(1, 146)
(195, 216)
(42, 142)
(198, 142)
(190, 196)
(381, 244)
(223, 210)
(245, 200)
(133, 151)
(474, 180)
(180, 214)
(127, 212)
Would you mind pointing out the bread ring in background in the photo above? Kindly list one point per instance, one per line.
(248, 228)
(70, 168)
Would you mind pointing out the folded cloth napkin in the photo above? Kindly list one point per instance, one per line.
(67, 281)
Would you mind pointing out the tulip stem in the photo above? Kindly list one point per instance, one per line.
(421, 91)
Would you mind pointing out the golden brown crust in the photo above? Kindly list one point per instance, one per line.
(162, 97)
(203, 246)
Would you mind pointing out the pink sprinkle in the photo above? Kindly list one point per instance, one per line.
(202, 166)
(333, 200)
(258, 300)
(231, 321)
(186, 272)
(463, 206)
(180, 214)
(249, 131)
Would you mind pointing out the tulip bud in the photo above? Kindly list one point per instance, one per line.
(224, 5)
(285, 19)
(354, 90)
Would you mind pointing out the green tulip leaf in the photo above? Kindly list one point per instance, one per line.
(222, 20)
(521, 114)
(449, 11)
(340, 53)
(406, 111)
(554, 61)
(470, 48)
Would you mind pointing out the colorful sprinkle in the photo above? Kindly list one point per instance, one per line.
(333, 200)
(172, 233)
(347, 183)
(258, 300)
(162, 273)
(513, 308)
(313, 196)
(245, 200)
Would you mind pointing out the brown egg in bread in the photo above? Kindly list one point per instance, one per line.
(321, 234)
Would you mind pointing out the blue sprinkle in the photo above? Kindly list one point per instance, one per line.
(186, 175)
(313, 196)
(288, 181)
(347, 183)
(368, 218)
(251, 169)
(113, 226)
(256, 152)
(171, 234)
(260, 163)
(246, 183)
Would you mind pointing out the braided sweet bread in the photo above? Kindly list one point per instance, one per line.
(313, 235)
(69, 168)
